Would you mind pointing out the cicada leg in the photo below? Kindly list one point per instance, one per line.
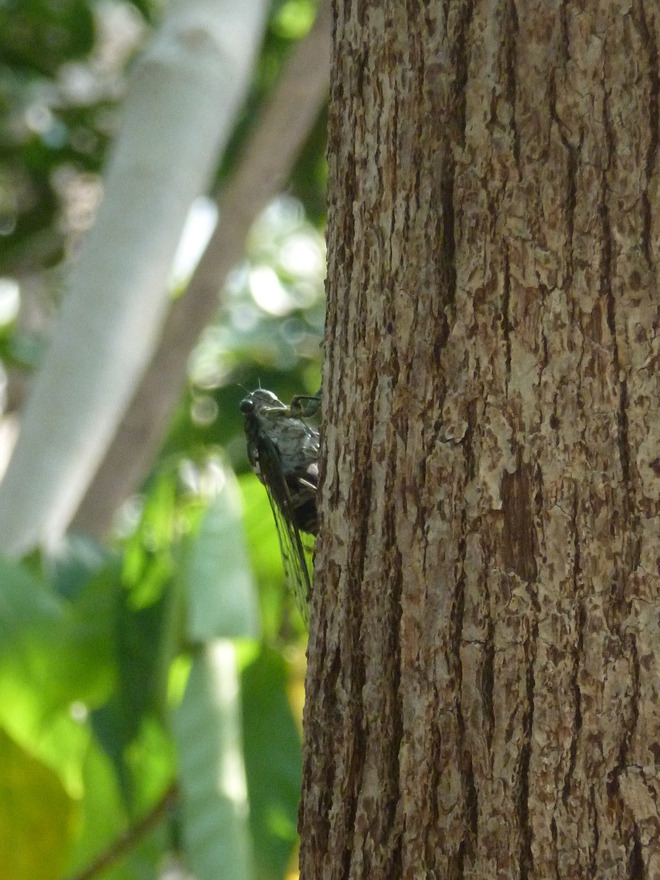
(305, 406)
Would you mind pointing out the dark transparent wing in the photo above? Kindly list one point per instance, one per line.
(296, 547)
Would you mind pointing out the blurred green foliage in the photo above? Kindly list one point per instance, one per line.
(171, 660)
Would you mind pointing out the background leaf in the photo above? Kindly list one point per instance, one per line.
(215, 573)
(37, 816)
(273, 762)
(208, 730)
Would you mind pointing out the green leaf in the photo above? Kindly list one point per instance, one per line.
(54, 656)
(23, 349)
(27, 604)
(42, 35)
(86, 664)
(36, 816)
(145, 641)
(273, 762)
(216, 574)
(148, 562)
(294, 18)
(77, 559)
(208, 732)
(31, 617)
(104, 819)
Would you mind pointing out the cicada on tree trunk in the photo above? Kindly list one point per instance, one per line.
(283, 450)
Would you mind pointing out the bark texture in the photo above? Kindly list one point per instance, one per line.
(483, 694)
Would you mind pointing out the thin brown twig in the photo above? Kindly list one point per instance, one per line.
(126, 841)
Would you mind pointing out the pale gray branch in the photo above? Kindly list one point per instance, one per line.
(261, 172)
(178, 114)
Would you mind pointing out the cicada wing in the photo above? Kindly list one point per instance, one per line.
(296, 547)
(296, 559)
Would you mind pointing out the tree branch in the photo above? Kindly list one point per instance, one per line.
(176, 118)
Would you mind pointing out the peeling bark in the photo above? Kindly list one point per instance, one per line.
(483, 694)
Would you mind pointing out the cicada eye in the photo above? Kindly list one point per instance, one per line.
(247, 405)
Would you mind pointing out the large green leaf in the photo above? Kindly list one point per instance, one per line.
(208, 731)
(37, 817)
(145, 642)
(105, 821)
(27, 604)
(54, 659)
(216, 576)
(77, 559)
(31, 620)
(103, 816)
(273, 763)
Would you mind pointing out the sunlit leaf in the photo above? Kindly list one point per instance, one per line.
(294, 18)
(216, 575)
(208, 731)
(31, 619)
(104, 821)
(37, 817)
(54, 656)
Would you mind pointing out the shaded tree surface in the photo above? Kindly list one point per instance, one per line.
(483, 696)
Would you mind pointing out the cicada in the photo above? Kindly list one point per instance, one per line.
(283, 450)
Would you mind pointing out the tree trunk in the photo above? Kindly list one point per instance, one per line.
(483, 694)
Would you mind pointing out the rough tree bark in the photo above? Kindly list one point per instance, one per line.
(483, 693)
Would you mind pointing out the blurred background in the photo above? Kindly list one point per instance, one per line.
(152, 667)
